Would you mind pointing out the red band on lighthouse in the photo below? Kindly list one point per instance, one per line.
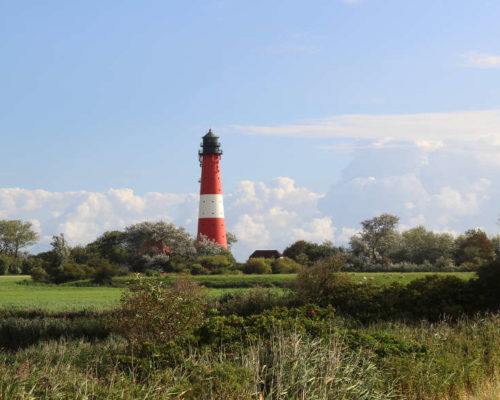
(211, 212)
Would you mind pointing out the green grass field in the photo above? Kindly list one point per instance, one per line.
(61, 298)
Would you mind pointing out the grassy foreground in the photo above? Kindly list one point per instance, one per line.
(68, 297)
(456, 362)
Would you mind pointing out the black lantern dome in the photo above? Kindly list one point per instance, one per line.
(210, 144)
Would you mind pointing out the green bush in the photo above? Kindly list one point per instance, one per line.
(4, 264)
(70, 271)
(29, 263)
(155, 313)
(317, 284)
(198, 269)
(285, 265)
(257, 266)
(38, 274)
(103, 271)
(255, 301)
(218, 264)
(15, 269)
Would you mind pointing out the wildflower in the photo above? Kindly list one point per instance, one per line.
(230, 354)
(312, 312)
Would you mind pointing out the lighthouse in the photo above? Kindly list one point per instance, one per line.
(211, 212)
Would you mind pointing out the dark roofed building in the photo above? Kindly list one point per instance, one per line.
(266, 254)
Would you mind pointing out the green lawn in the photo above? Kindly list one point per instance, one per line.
(52, 297)
(60, 298)
(406, 277)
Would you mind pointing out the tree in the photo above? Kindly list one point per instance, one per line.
(60, 249)
(231, 239)
(110, 246)
(378, 237)
(474, 247)
(496, 244)
(176, 239)
(308, 252)
(296, 249)
(15, 235)
(208, 247)
(419, 244)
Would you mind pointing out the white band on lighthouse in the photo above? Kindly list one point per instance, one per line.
(211, 206)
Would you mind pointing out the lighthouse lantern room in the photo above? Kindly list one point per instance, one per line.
(211, 222)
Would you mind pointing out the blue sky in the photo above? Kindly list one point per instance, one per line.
(329, 112)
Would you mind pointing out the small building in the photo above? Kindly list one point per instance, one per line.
(266, 254)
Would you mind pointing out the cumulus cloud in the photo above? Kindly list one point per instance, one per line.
(481, 60)
(83, 215)
(262, 215)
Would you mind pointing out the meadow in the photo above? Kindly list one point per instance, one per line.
(79, 297)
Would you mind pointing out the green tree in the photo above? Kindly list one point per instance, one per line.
(418, 244)
(110, 246)
(475, 247)
(495, 240)
(308, 252)
(15, 235)
(60, 249)
(377, 239)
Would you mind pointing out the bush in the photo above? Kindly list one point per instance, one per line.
(70, 271)
(255, 301)
(317, 284)
(157, 314)
(104, 271)
(38, 274)
(4, 264)
(257, 266)
(29, 263)
(285, 265)
(217, 264)
(488, 285)
(15, 269)
(198, 269)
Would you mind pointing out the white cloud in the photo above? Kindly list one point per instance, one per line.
(440, 190)
(260, 214)
(426, 129)
(481, 60)
(318, 230)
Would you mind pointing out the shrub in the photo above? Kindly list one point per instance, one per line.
(285, 265)
(15, 269)
(153, 312)
(217, 264)
(257, 266)
(29, 263)
(198, 269)
(70, 271)
(104, 271)
(255, 301)
(317, 284)
(38, 274)
(4, 264)
(488, 285)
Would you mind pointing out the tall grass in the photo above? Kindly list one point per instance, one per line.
(293, 367)
(461, 360)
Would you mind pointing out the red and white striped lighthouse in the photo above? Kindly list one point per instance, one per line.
(211, 214)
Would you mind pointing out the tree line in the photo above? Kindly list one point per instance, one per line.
(379, 246)
(153, 247)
